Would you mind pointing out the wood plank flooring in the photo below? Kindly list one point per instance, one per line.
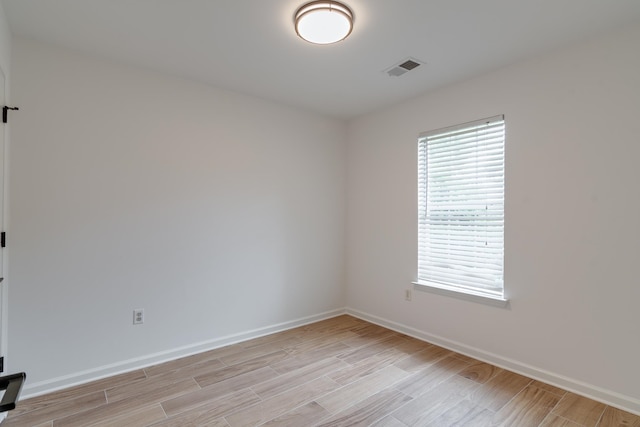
(338, 372)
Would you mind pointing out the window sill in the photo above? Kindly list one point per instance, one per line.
(463, 294)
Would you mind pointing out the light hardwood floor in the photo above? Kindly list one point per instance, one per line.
(338, 372)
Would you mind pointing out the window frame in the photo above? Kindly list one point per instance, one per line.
(479, 293)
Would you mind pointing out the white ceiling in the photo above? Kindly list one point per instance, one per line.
(250, 46)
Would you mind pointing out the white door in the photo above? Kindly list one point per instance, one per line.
(3, 291)
(3, 311)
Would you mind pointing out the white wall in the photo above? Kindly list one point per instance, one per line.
(215, 212)
(572, 208)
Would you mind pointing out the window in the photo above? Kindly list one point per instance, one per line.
(461, 208)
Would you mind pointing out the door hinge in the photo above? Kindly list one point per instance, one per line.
(3, 239)
(5, 109)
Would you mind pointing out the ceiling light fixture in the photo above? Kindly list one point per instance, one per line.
(324, 22)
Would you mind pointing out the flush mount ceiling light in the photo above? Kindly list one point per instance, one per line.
(324, 22)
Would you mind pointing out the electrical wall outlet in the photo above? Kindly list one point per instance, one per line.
(407, 294)
(138, 316)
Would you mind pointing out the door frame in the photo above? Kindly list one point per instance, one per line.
(4, 290)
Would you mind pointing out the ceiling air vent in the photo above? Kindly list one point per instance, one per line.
(403, 67)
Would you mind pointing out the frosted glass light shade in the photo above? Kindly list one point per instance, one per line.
(324, 22)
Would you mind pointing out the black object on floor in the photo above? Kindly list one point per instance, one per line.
(12, 384)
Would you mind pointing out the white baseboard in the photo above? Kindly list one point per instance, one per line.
(620, 401)
(58, 383)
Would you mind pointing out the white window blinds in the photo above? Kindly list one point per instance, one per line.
(461, 207)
